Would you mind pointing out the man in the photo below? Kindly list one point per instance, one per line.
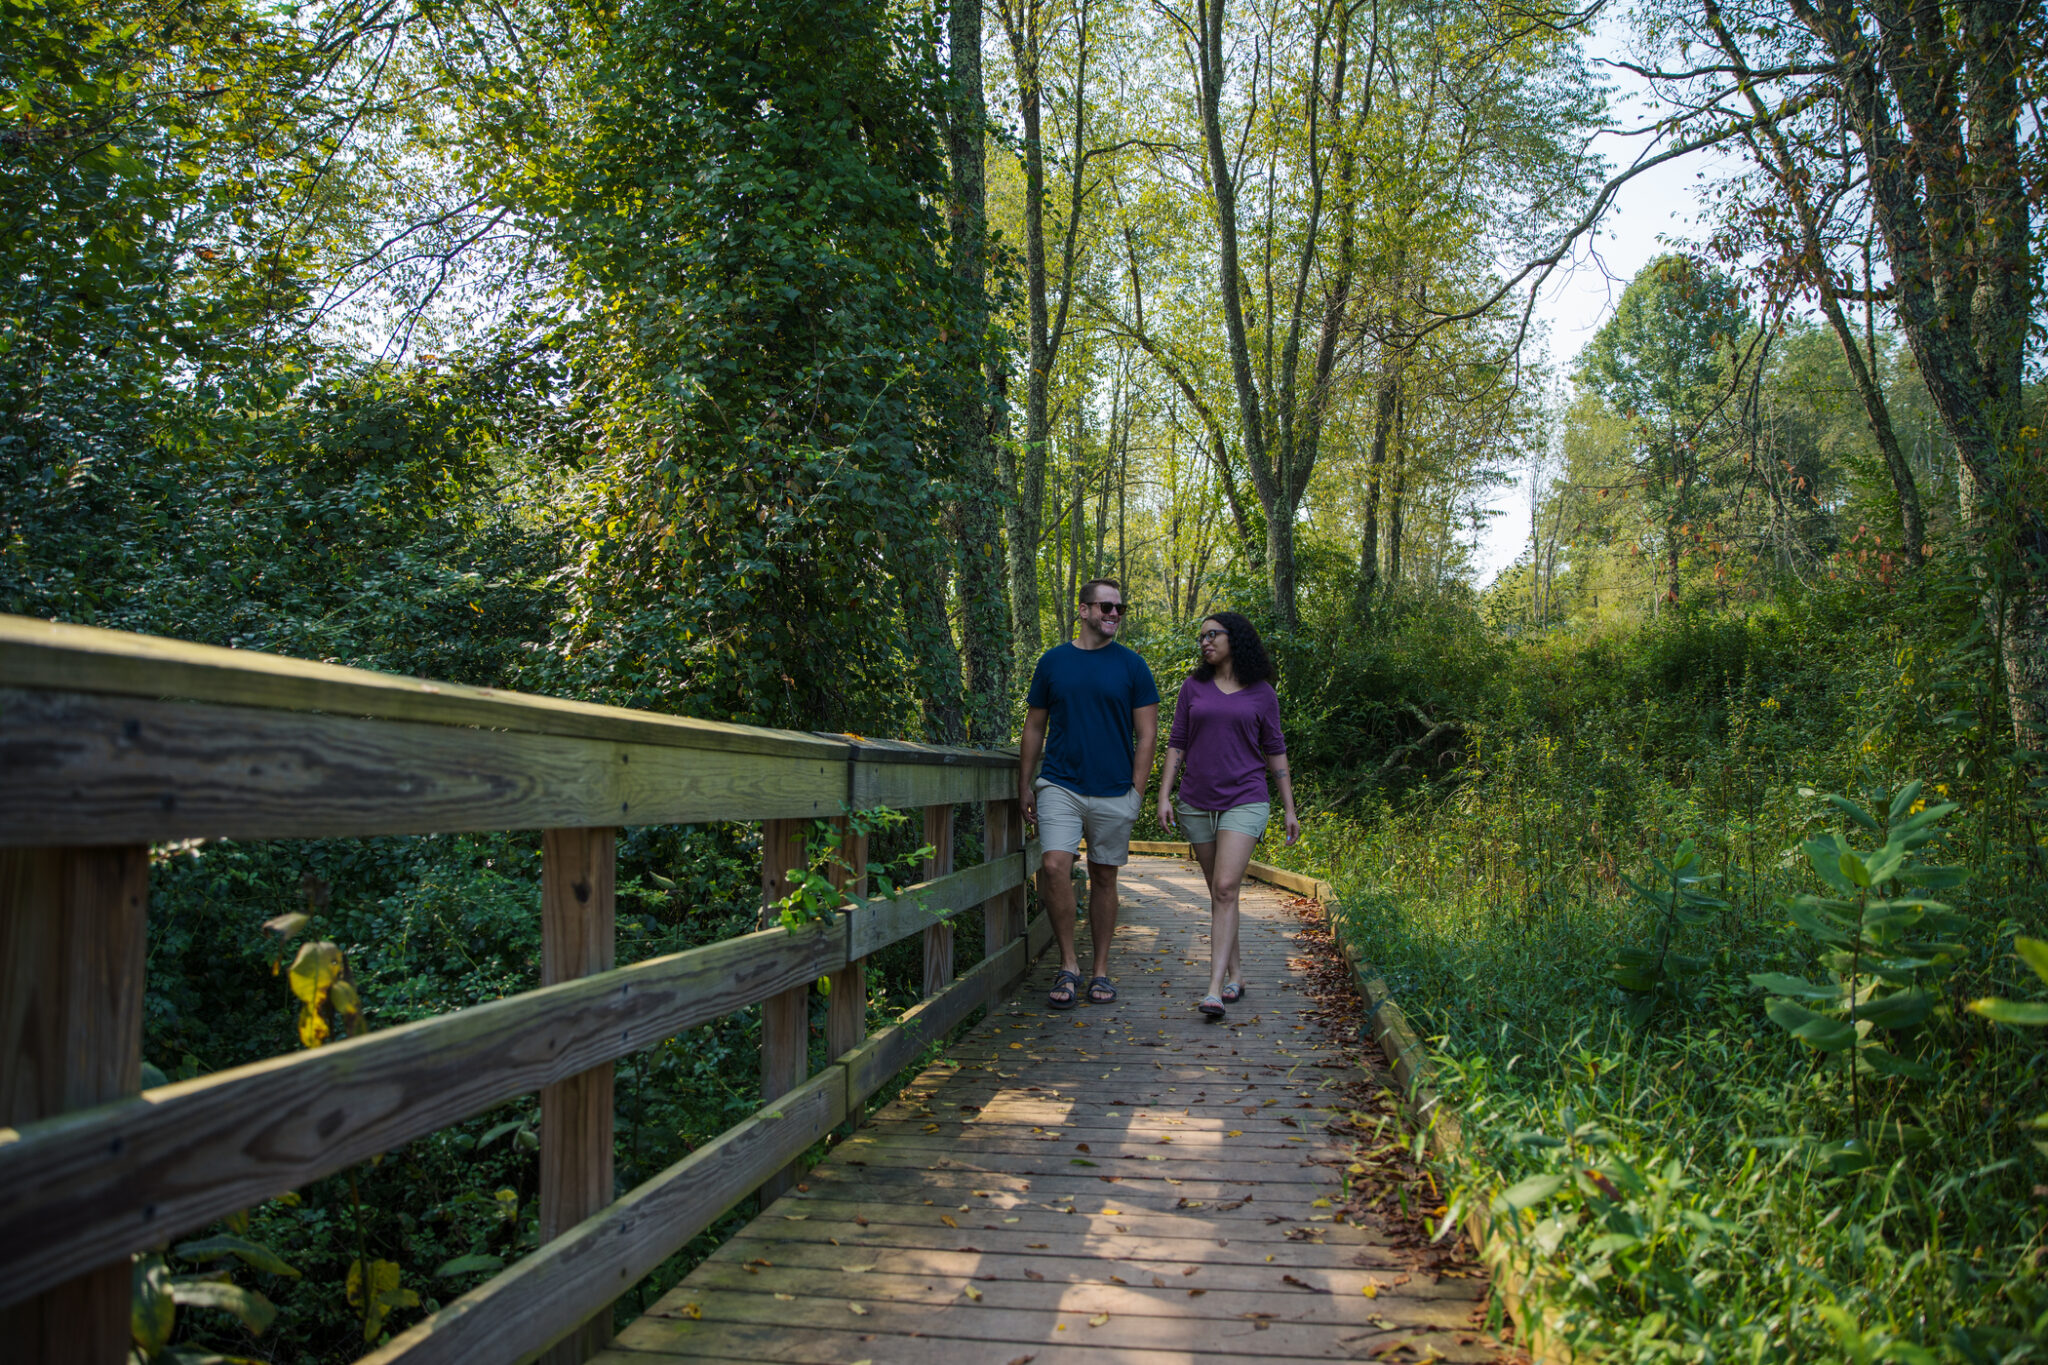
(1094, 693)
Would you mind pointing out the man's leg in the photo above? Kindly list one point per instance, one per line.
(1056, 894)
(1101, 912)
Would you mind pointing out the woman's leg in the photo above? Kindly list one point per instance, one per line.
(1233, 851)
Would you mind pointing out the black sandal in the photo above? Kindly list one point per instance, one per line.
(1067, 981)
(1101, 983)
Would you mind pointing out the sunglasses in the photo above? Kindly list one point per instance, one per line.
(1206, 636)
(1108, 608)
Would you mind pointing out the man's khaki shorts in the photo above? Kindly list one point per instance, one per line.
(1065, 816)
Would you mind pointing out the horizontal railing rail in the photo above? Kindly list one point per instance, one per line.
(110, 743)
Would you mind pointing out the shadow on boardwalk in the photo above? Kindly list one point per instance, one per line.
(1120, 1183)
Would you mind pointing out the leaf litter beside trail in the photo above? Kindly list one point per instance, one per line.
(1385, 1190)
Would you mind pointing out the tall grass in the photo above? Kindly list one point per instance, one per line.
(1677, 1186)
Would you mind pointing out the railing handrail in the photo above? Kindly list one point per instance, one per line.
(110, 742)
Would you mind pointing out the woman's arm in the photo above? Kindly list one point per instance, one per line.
(1166, 778)
(1277, 765)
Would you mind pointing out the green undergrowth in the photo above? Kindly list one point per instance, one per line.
(427, 926)
(1683, 1178)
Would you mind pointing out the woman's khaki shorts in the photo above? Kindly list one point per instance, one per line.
(1064, 816)
(1201, 825)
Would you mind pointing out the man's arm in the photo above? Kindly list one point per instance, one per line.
(1029, 745)
(1146, 718)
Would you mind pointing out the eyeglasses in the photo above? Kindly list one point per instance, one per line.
(1108, 608)
(1206, 636)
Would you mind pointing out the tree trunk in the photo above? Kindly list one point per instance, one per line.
(976, 517)
(1030, 483)
(1369, 539)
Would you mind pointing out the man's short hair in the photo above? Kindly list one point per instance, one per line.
(1088, 589)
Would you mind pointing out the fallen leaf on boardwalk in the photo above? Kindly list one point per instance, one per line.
(931, 1127)
(794, 1217)
(1158, 1283)
(786, 1298)
(1080, 1146)
(1033, 1275)
(1098, 1320)
(1191, 1270)
(1384, 1324)
(858, 1310)
(1014, 1360)
(856, 1269)
(1010, 1220)
(947, 1219)
(1235, 1132)
(860, 1220)
(691, 1310)
(1079, 1161)
(971, 1292)
(1371, 1291)
(1112, 1210)
(1303, 1284)
(1196, 1293)
(1035, 1246)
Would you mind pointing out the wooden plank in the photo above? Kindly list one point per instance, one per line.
(1002, 827)
(578, 939)
(540, 1300)
(938, 938)
(903, 786)
(73, 931)
(875, 924)
(81, 1189)
(846, 1010)
(1296, 882)
(98, 770)
(875, 1063)
(53, 657)
(785, 1018)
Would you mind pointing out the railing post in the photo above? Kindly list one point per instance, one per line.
(938, 939)
(577, 938)
(846, 1012)
(1003, 826)
(73, 940)
(785, 1018)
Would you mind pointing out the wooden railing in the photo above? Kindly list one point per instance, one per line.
(110, 743)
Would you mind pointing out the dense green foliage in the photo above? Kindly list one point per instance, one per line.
(1687, 1180)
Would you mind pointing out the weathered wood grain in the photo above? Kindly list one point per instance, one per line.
(47, 656)
(875, 924)
(904, 786)
(938, 938)
(578, 939)
(540, 1300)
(846, 1009)
(1118, 1183)
(97, 770)
(80, 1189)
(875, 1063)
(785, 1018)
(72, 948)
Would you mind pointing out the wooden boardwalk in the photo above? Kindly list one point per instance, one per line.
(1121, 1183)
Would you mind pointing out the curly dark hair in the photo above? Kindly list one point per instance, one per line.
(1249, 662)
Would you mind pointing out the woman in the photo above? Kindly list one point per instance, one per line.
(1226, 736)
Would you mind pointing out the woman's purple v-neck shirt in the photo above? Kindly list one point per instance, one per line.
(1226, 737)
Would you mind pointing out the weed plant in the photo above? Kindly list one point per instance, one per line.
(1682, 1178)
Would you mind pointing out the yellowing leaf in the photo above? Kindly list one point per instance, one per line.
(1371, 1291)
(947, 1219)
(1235, 1132)
(971, 1292)
(1098, 1320)
(1319, 1203)
(857, 1310)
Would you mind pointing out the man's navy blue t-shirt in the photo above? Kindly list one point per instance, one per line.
(1090, 694)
